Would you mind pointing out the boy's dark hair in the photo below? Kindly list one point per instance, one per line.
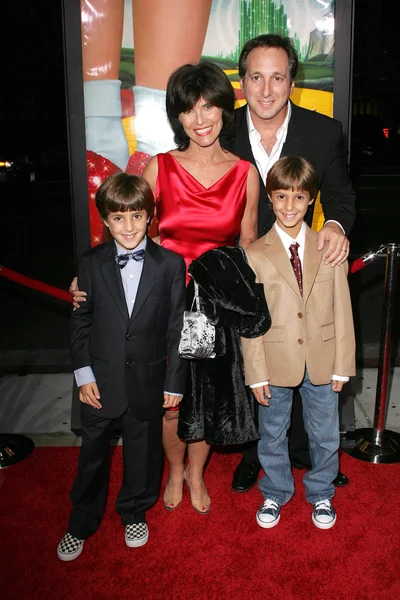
(122, 192)
(187, 85)
(270, 40)
(292, 173)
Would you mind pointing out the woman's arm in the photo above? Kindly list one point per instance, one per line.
(248, 229)
(150, 173)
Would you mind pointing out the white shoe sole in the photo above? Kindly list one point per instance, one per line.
(267, 525)
(323, 525)
(70, 556)
(137, 543)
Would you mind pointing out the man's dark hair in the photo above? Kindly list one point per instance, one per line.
(122, 192)
(270, 40)
(292, 173)
(187, 85)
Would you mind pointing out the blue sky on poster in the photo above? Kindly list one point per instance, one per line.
(222, 33)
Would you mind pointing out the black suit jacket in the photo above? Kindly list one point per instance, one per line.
(128, 355)
(319, 140)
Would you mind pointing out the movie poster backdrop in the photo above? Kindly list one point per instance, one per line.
(130, 47)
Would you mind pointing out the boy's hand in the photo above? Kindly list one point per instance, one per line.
(262, 394)
(77, 295)
(337, 386)
(338, 245)
(89, 394)
(170, 401)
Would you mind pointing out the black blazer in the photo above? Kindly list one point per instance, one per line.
(319, 140)
(128, 355)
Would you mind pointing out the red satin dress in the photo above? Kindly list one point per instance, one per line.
(193, 219)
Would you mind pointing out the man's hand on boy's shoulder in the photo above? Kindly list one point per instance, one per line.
(171, 401)
(262, 394)
(338, 245)
(89, 394)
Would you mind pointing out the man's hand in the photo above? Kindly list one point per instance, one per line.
(338, 245)
(89, 394)
(262, 394)
(337, 386)
(77, 295)
(170, 401)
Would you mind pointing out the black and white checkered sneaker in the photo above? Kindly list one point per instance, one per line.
(69, 548)
(136, 535)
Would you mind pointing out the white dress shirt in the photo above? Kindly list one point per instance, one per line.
(287, 241)
(264, 161)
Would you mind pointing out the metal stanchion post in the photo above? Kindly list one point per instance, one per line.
(14, 448)
(376, 444)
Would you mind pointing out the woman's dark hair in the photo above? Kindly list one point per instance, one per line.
(122, 192)
(270, 40)
(187, 85)
(292, 173)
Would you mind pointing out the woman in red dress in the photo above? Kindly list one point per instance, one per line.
(205, 197)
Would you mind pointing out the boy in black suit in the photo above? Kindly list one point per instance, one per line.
(124, 350)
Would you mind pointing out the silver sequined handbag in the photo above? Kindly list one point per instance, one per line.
(198, 334)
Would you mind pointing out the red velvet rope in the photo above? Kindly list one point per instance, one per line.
(45, 288)
(50, 290)
(365, 260)
(358, 264)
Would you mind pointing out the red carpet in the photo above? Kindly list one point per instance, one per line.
(223, 555)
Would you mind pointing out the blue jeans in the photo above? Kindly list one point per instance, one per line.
(321, 422)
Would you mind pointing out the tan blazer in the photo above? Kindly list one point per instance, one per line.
(315, 331)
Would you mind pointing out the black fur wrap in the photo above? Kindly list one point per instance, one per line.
(218, 407)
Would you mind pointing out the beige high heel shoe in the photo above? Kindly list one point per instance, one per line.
(203, 506)
(169, 502)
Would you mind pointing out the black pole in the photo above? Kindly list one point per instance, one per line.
(376, 444)
(14, 448)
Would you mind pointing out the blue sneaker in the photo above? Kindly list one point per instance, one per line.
(269, 514)
(324, 515)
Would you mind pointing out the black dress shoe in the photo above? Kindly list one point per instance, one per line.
(246, 475)
(340, 480)
(297, 464)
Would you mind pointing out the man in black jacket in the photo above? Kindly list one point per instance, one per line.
(271, 126)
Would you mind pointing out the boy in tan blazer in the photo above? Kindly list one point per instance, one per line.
(310, 346)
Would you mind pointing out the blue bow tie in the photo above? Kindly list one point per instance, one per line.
(122, 259)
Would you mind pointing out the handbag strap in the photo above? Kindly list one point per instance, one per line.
(196, 298)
